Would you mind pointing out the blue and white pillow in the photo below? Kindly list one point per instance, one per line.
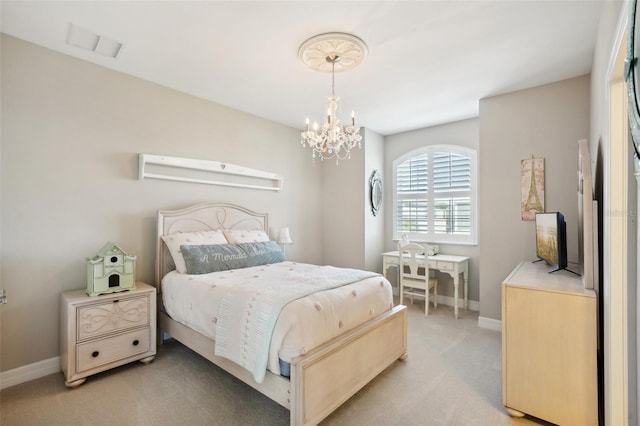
(203, 259)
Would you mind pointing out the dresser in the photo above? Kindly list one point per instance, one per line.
(549, 346)
(103, 332)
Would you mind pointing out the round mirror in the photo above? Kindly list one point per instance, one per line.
(375, 185)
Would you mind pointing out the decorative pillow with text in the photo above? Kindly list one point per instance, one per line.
(203, 259)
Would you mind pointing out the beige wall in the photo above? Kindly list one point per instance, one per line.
(545, 121)
(352, 237)
(464, 133)
(71, 135)
(342, 219)
(373, 225)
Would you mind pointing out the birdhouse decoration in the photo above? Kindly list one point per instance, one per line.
(110, 270)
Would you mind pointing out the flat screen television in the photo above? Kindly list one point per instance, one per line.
(551, 239)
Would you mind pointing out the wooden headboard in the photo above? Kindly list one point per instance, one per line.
(201, 217)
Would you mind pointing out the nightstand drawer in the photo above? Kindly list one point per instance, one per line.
(100, 352)
(112, 315)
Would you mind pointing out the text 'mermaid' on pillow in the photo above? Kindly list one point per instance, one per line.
(202, 259)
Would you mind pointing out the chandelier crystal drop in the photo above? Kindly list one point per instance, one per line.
(332, 139)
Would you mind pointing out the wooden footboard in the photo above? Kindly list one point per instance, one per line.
(324, 378)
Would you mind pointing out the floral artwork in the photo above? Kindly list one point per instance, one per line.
(532, 187)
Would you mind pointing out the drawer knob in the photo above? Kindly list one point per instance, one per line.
(95, 354)
(135, 342)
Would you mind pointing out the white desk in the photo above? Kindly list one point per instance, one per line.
(451, 265)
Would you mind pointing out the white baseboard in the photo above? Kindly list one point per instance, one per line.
(490, 323)
(473, 305)
(29, 372)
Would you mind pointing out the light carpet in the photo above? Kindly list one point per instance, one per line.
(451, 377)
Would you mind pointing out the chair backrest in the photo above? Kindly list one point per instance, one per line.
(409, 264)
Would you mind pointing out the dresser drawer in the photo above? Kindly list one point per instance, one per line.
(100, 352)
(112, 315)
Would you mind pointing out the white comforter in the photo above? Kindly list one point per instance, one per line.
(303, 324)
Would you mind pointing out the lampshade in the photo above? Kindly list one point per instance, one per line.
(284, 237)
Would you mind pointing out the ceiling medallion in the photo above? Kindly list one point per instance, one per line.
(332, 52)
(351, 50)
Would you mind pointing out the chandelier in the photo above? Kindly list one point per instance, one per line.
(323, 53)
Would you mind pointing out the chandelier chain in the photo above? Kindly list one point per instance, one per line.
(333, 77)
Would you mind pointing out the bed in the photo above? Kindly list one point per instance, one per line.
(320, 379)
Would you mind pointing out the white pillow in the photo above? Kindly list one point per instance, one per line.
(174, 241)
(237, 236)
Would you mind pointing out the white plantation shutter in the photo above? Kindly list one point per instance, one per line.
(452, 188)
(434, 195)
(412, 183)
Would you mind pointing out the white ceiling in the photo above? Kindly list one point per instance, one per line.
(429, 62)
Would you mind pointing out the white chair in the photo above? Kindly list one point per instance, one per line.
(412, 282)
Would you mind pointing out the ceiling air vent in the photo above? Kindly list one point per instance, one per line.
(89, 40)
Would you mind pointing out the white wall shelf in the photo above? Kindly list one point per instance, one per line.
(207, 172)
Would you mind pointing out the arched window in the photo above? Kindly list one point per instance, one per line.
(434, 195)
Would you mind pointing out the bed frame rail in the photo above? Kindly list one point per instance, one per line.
(275, 387)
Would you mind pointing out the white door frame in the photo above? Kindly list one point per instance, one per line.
(615, 241)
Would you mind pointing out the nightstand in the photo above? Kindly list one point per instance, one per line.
(102, 332)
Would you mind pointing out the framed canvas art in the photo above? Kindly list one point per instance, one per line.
(531, 187)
